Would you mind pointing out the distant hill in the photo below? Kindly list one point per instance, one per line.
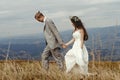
(31, 46)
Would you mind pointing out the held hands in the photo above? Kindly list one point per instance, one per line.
(64, 46)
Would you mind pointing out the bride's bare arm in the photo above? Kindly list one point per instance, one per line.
(70, 42)
(82, 37)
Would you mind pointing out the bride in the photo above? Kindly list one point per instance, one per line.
(78, 54)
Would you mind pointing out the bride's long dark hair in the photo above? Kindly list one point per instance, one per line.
(79, 25)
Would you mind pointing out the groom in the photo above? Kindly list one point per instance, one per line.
(53, 41)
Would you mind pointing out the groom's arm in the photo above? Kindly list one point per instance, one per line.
(55, 31)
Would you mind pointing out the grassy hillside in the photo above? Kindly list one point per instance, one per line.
(32, 70)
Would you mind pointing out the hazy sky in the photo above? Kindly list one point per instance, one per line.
(17, 16)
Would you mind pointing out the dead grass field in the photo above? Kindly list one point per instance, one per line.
(32, 70)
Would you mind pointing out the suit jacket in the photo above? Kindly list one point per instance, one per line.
(52, 35)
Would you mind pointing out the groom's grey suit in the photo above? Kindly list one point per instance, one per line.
(54, 42)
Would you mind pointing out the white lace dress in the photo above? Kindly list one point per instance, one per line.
(76, 55)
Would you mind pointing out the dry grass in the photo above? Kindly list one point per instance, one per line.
(32, 70)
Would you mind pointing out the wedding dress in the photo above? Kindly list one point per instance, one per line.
(77, 55)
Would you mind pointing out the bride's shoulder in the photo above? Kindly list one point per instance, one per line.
(81, 30)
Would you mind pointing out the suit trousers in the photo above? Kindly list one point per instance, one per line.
(56, 54)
